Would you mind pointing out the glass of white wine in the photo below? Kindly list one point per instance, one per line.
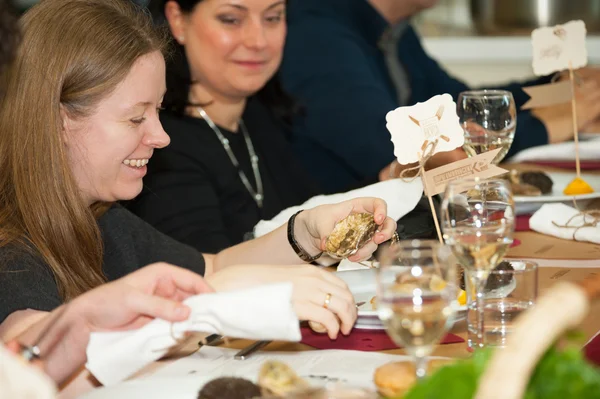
(416, 296)
(478, 223)
(489, 120)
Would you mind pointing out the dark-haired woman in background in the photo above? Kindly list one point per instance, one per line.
(228, 165)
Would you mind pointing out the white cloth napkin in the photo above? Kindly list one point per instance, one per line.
(588, 151)
(401, 197)
(260, 313)
(542, 222)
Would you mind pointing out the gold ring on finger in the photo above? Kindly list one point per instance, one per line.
(327, 300)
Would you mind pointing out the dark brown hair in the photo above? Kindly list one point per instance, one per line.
(179, 78)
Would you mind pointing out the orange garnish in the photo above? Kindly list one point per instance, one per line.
(577, 187)
(462, 298)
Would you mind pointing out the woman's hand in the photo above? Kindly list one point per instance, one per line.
(314, 225)
(558, 119)
(155, 291)
(312, 287)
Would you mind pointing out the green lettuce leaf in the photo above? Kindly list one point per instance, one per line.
(559, 375)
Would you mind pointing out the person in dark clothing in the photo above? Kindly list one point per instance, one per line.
(350, 62)
(224, 108)
(86, 147)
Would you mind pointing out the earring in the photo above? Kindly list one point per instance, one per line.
(180, 38)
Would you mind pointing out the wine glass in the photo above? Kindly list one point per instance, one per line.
(478, 224)
(489, 120)
(416, 296)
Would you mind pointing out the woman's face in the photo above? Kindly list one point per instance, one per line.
(109, 149)
(233, 47)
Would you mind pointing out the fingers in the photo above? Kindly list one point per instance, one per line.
(321, 317)
(156, 307)
(343, 308)
(339, 300)
(324, 298)
(376, 206)
(161, 274)
(386, 232)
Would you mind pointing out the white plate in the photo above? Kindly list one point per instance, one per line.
(525, 204)
(363, 286)
(562, 180)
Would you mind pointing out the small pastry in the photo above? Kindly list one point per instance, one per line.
(394, 379)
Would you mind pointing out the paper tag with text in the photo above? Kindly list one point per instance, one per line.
(555, 47)
(414, 128)
(548, 94)
(435, 180)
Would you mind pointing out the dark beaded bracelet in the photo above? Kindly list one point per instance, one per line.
(302, 254)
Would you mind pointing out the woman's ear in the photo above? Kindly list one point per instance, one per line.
(176, 20)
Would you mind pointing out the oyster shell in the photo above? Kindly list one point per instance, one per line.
(277, 378)
(350, 234)
(530, 184)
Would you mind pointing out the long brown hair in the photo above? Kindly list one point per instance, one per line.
(73, 54)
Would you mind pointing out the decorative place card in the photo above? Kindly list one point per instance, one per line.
(425, 129)
(548, 94)
(559, 47)
(435, 180)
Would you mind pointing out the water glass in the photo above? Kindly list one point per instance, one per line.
(507, 294)
(417, 288)
(478, 219)
(489, 120)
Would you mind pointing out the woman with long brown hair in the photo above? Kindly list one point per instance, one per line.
(79, 123)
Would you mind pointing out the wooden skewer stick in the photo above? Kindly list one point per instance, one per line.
(433, 212)
(575, 129)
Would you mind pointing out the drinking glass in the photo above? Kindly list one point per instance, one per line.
(416, 296)
(489, 120)
(478, 224)
(507, 293)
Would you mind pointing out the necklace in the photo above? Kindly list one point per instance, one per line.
(258, 194)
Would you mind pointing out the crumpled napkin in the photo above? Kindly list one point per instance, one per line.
(542, 222)
(259, 313)
(401, 197)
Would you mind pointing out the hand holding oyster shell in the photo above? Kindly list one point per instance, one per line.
(351, 229)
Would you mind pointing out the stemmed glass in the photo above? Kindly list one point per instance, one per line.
(478, 224)
(489, 120)
(416, 296)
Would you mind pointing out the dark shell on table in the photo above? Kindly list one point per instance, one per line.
(230, 388)
(538, 179)
(530, 184)
(350, 234)
(497, 280)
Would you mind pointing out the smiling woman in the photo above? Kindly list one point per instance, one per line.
(123, 131)
(56, 156)
(79, 125)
